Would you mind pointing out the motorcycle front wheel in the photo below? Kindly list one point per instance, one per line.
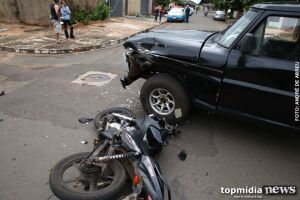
(69, 181)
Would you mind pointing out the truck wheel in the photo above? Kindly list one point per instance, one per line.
(165, 97)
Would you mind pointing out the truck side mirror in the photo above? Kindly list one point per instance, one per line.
(248, 43)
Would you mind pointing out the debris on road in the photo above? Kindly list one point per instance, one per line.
(84, 120)
(2, 93)
(84, 142)
(182, 155)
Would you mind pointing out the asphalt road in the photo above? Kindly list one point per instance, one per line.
(40, 126)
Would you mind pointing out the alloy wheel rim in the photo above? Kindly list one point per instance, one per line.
(162, 101)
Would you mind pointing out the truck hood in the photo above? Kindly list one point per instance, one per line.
(177, 44)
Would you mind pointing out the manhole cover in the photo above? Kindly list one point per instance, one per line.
(95, 78)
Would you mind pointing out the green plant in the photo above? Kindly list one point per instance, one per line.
(162, 2)
(100, 12)
(180, 2)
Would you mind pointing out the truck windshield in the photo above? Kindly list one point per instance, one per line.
(230, 35)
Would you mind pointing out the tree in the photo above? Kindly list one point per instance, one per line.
(100, 12)
(162, 2)
(238, 5)
(179, 2)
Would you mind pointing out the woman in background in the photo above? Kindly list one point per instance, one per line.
(66, 19)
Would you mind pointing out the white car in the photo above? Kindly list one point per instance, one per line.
(220, 15)
(176, 14)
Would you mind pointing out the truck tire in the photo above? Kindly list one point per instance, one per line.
(64, 192)
(165, 97)
(100, 115)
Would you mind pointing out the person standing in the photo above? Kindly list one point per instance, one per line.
(187, 13)
(66, 18)
(161, 12)
(156, 13)
(55, 18)
(205, 11)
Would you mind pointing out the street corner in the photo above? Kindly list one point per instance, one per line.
(20, 38)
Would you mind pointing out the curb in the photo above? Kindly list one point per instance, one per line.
(73, 50)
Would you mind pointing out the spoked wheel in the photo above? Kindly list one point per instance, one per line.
(98, 120)
(69, 180)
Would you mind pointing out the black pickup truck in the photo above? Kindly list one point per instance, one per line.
(250, 70)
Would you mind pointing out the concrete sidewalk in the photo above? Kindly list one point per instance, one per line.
(22, 38)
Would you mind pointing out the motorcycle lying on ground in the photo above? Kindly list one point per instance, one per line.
(123, 147)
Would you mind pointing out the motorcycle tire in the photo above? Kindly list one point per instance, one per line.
(64, 192)
(100, 115)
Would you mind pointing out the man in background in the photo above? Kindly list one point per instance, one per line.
(187, 13)
(66, 18)
(55, 18)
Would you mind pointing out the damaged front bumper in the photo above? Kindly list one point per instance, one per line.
(138, 66)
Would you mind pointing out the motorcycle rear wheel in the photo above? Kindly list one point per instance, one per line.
(86, 186)
(99, 117)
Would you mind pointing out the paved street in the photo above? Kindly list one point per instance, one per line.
(40, 126)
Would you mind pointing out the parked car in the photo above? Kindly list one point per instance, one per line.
(246, 71)
(176, 14)
(220, 15)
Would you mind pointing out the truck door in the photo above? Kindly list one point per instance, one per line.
(260, 84)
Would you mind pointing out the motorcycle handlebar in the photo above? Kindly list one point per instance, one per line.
(123, 117)
(128, 118)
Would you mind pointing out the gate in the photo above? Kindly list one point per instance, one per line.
(116, 8)
(145, 7)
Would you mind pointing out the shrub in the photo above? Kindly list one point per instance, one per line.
(100, 12)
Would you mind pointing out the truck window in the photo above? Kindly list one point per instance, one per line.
(229, 36)
(278, 37)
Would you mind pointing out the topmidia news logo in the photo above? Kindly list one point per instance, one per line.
(252, 192)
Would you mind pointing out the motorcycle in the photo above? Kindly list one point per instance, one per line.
(124, 146)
